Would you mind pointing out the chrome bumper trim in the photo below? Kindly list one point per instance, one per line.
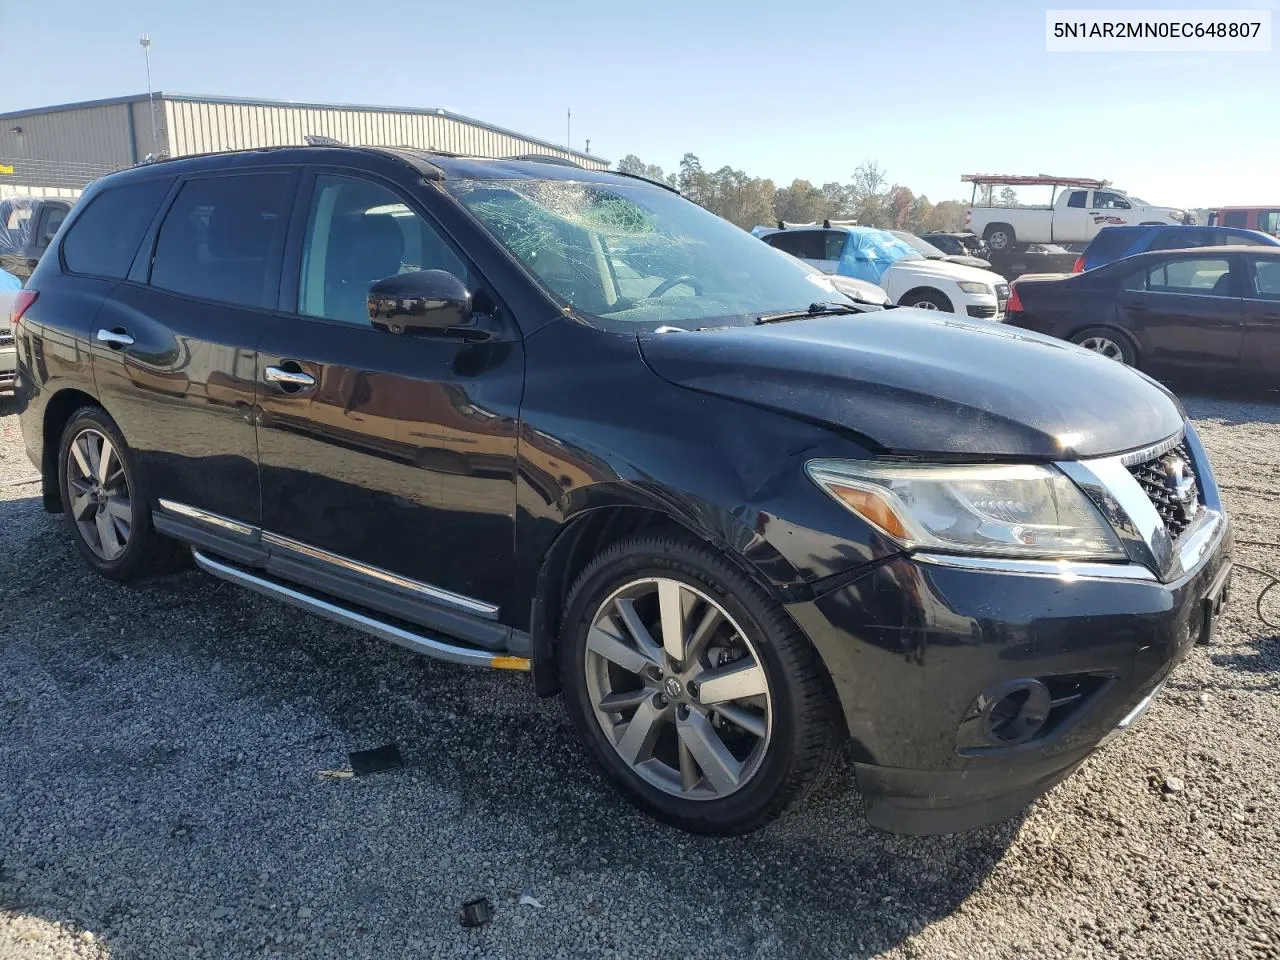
(1065, 570)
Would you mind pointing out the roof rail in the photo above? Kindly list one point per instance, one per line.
(545, 158)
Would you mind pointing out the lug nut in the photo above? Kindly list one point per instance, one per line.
(682, 712)
(660, 700)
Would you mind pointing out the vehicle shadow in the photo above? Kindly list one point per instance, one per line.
(162, 788)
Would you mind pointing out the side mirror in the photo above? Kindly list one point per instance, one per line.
(422, 300)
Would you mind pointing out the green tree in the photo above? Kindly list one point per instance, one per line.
(693, 181)
(839, 206)
(635, 166)
(1008, 197)
(868, 196)
(801, 202)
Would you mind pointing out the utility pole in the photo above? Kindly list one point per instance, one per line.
(568, 127)
(151, 101)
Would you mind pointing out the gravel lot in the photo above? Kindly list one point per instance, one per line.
(161, 795)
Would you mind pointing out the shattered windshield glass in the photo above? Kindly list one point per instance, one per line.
(623, 253)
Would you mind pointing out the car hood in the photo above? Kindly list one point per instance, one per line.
(951, 271)
(921, 382)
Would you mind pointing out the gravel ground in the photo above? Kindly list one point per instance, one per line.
(161, 795)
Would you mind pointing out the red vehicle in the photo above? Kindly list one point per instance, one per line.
(1266, 219)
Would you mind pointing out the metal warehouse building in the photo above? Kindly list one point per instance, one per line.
(62, 148)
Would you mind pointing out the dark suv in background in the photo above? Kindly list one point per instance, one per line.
(517, 414)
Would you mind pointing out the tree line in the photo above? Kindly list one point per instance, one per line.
(868, 197)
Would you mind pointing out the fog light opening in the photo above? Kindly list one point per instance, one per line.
(1017, 712)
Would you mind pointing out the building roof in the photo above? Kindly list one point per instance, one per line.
(300, 104)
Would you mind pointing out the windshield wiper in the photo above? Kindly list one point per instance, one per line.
(826, 309)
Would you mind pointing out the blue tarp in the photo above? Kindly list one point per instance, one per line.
(15, 220)
(9, 282)
(870, 252)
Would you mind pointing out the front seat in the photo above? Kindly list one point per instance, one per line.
(363, 249)
(1223, 287)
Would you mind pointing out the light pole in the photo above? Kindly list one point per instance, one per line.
(151, 103)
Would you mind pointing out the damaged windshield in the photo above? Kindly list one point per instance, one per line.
(626, 254)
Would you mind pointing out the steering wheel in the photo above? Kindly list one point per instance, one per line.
(684, 279)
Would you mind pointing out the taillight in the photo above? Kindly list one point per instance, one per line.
(1079, 265)
(1015, 302)
(21, 304)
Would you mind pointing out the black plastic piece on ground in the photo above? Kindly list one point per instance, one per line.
(475, 913)
(364, 762)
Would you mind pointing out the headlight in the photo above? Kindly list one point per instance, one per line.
(969, 286)
(1015, 510)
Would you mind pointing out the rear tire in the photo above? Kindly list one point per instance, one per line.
(650, 722)
(1109, 343)
(105, 504)
(1000, 238)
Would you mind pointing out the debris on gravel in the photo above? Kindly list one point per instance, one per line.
(159, 796)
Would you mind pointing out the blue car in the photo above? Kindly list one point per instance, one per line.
(1115, 243)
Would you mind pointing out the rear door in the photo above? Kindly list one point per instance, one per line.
(388, 460)
(1070, 219)
(174, 345)
(1262, 316)
(1186, 310)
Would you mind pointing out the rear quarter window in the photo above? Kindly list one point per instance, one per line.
(1109, 244)
(104, 238)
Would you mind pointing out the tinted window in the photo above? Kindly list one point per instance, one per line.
(1176, 239)
(104, 238)
(359, 233)
(1235, 218)
(1076, 199)
(1240, 239)
(1204, 277)
(51, 218)
(1266, 276)
(1110, 244)
(835, 242)
(1269, 222)
(217, 239)
(1102, 200)
(805, 244)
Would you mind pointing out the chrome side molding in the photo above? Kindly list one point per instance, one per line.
(357, 621)
(204, 516)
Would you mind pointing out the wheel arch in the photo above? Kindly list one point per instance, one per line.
(934, 292)
(582, 537)
(57, 413)
(995, 225)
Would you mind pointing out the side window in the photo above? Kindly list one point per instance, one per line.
(1266, 279)
(1205, 277)
(1269, 222)
(1239, 240)
(217, 238)
(834, 244)
(1103, 200)
(357, 234)
(1077, 199)
(105, 236)
(788, 241)
(1236, 218)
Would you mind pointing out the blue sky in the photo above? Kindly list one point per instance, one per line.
(931, 89)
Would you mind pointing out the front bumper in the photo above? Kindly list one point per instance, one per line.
(912, 644)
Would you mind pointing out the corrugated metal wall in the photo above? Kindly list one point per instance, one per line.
(201, 127)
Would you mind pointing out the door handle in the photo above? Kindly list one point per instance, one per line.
(290, 377)
(115, 339)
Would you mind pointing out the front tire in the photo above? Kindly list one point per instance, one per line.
(927, 299)
(104, 504)
(697, 694)
(1000, 238)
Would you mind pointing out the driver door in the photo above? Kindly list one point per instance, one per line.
(1108, 210)
(386, 459)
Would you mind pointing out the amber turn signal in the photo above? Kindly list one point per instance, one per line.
(871, 508)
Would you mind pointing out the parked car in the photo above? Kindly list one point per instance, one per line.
(957, 244)
(10, 287)
(522, 415)
(865, 296)
(879, 257)
(1264, 219)
(1207, 309)
(1033, 258)
(47, 214)
(1116, 243)
(930, 252)
(1075, 216)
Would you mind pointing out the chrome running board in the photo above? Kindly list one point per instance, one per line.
(357, 621)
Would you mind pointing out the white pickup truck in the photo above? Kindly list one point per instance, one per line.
(1077, 213)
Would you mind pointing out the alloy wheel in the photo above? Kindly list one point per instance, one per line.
(1105, 346)
(678, 689)
(99, 494)
(926, 305)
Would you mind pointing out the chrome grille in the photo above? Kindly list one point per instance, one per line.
(1170, 483)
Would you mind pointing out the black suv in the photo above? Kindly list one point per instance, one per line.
(517, 414)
